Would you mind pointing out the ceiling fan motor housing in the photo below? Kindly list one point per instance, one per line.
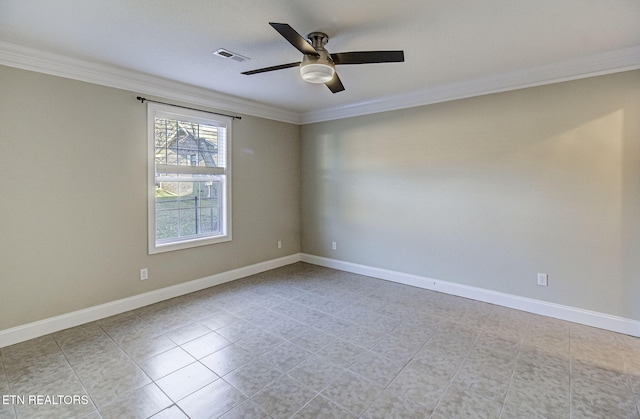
(317, 69)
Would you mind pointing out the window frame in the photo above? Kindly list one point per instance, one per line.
(199, 117)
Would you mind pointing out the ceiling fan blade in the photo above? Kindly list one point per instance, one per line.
(294, 38)
(335, 84)
(368, 57)
(275, 67)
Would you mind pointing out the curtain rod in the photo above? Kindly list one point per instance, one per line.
(142, 99)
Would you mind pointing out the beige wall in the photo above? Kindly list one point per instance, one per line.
(485, 191)
(73, 208)
(489, 191)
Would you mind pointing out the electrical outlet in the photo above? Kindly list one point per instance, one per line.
(144, 274)
(334, 245)
(279, 244)
(543, 280)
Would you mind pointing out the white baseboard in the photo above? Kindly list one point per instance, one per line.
(572, 314)
(54, 324)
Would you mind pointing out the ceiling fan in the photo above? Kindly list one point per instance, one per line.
(318, 65)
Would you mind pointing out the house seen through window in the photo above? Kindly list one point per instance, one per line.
(189, 199)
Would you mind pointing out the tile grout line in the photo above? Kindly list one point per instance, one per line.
(570, 373)
(131, 359)
(138, 366)
(513, 372)
(457, 372)
(4, 370)
(631, 387)
(75, 374)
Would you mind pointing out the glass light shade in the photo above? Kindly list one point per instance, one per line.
(317, 72)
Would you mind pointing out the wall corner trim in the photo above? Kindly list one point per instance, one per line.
(572, 314)
(54, 324)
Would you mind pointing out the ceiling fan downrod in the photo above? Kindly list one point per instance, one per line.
(318, 40)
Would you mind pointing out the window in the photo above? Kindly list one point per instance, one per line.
(189, 178)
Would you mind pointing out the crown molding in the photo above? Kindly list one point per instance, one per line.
(606, 63)
(25, 58)
(45, 62)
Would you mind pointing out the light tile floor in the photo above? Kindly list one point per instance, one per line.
(310, 342)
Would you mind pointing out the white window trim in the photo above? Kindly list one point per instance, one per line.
(153, 110)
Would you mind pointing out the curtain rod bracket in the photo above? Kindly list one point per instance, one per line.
(142, 99)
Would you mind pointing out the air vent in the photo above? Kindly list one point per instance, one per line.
(224, 53)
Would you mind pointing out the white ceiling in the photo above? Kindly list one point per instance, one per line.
(453, 48)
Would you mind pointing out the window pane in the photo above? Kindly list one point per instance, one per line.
(167, 221)
(162, 132)
(187, 208)
(209, 220)
(187, 143)
(187, 223)
(208, 206)
(208, 159)
(161, 155)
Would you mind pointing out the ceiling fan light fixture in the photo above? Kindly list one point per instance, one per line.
(317, 65)
(317, 72)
